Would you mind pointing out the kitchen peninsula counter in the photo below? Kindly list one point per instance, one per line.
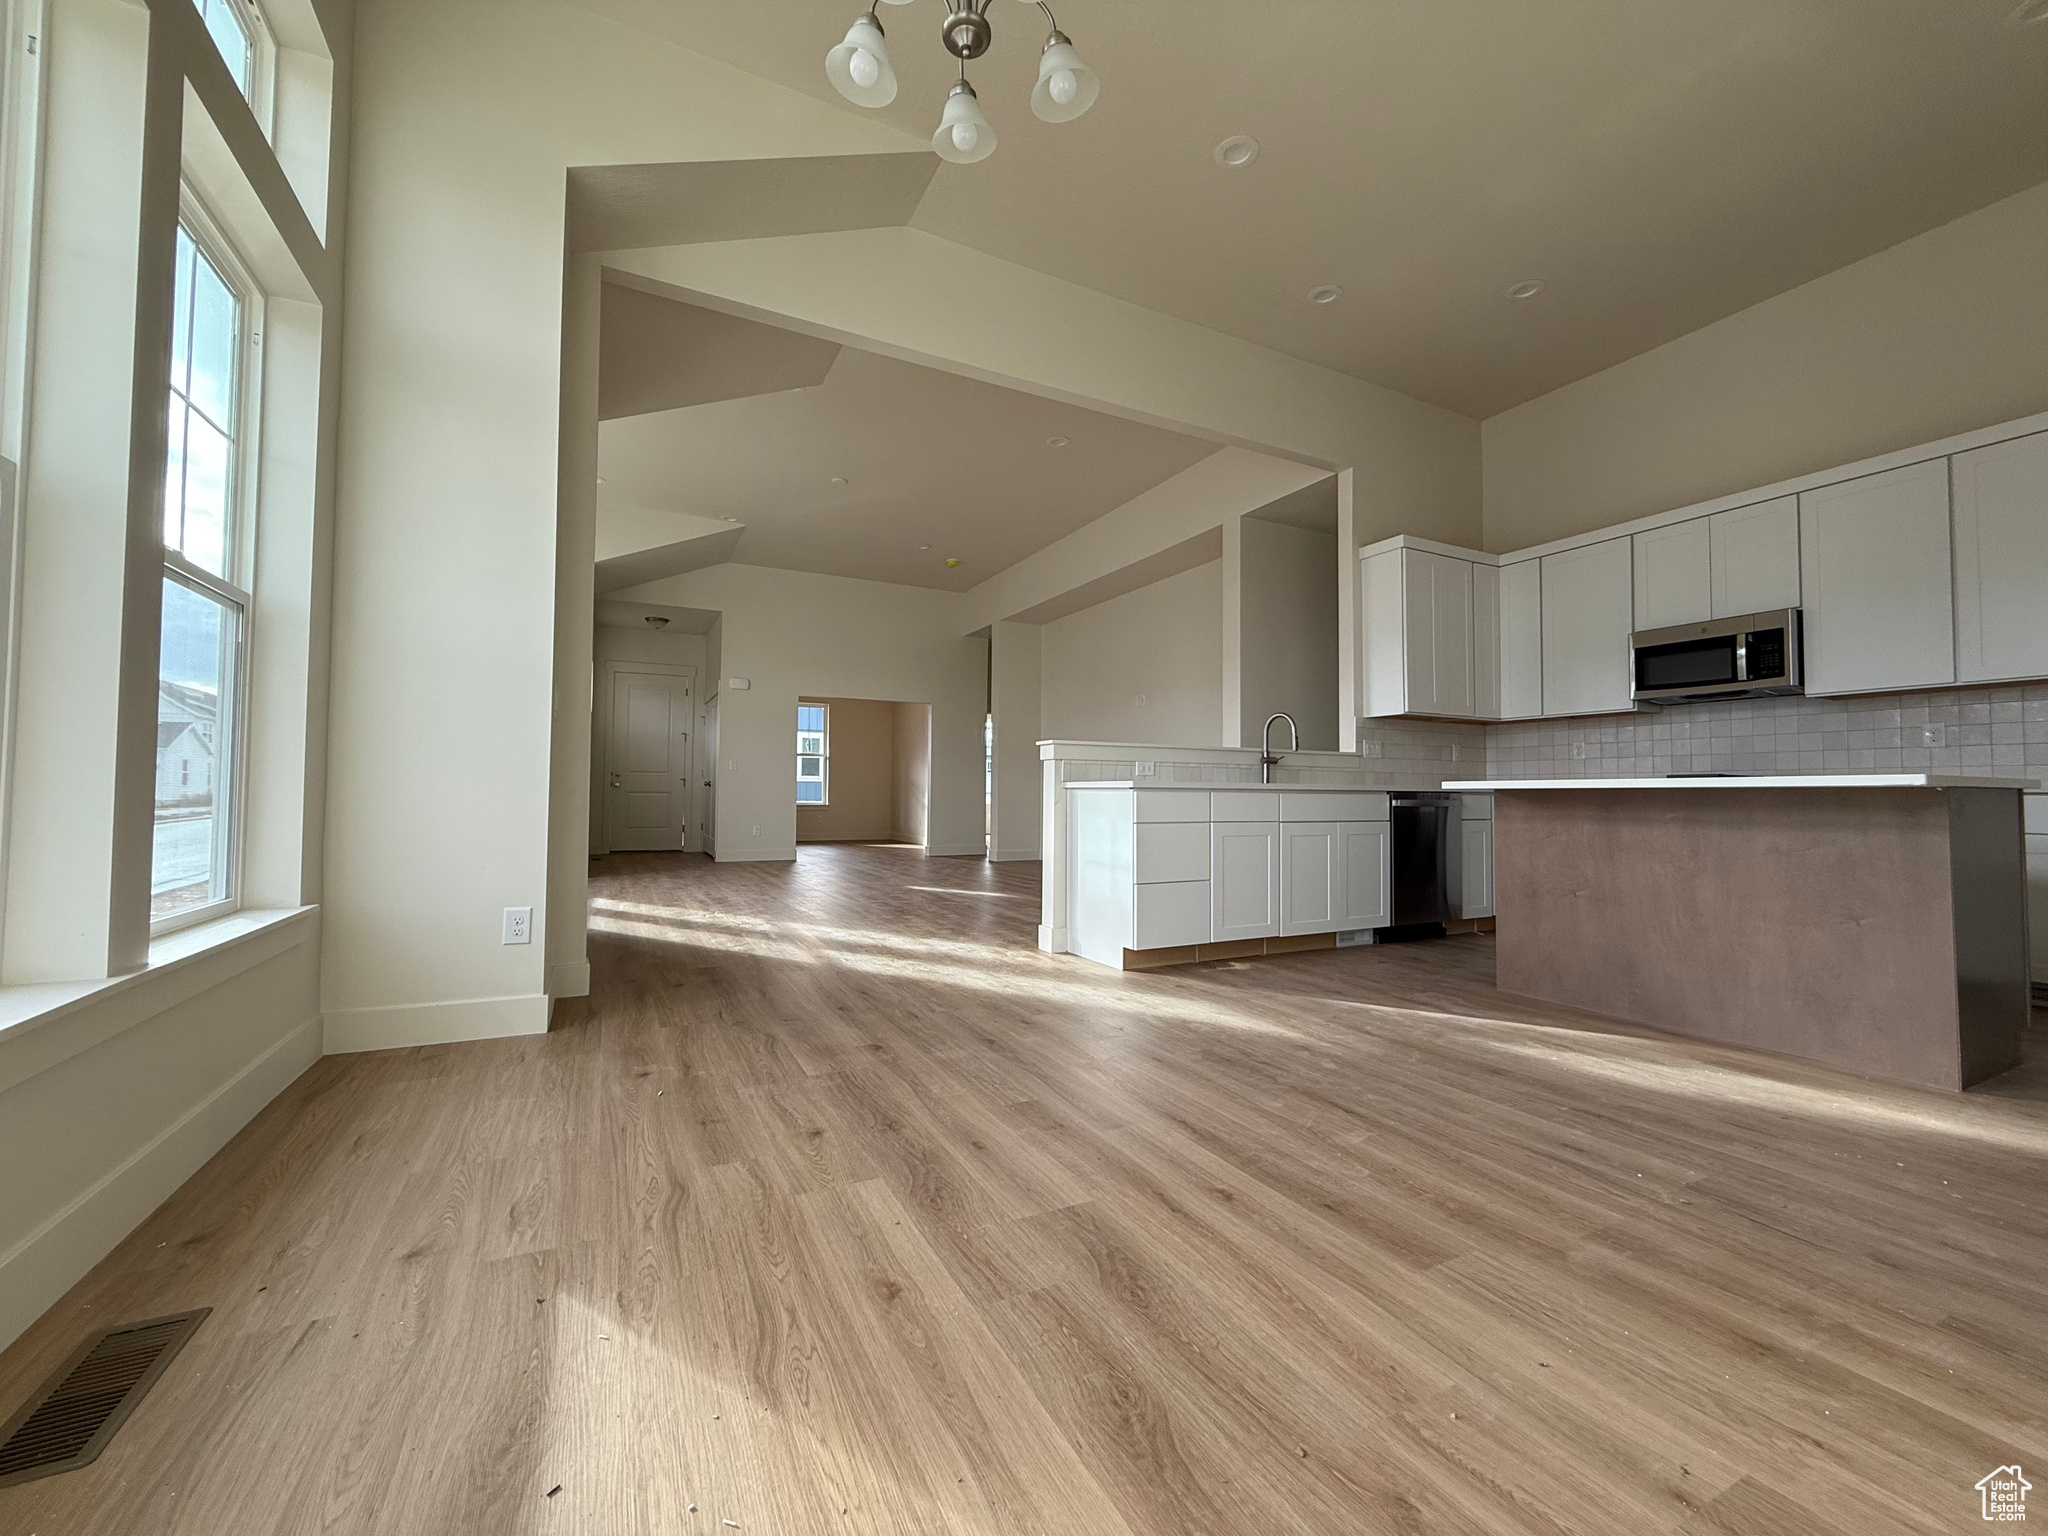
(1875, 922)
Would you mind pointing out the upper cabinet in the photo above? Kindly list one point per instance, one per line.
(1587, 616)
(1521, 640)
(1672, 575)
(1420, 634)
(1742, 561)
(1874, 566)
(2001, 533)
(1755, 558)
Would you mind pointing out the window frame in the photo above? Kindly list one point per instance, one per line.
(824, 756)
(262, 92)
(234, 587)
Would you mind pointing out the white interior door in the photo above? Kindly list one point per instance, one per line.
(648, 766)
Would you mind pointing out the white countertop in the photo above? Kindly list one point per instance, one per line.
(1762, 781)
(1285, 789)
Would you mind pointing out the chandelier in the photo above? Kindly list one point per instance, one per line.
(859, 68)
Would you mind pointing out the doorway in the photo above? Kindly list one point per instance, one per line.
(649, 730)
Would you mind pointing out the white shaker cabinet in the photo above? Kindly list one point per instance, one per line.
(1244, 880)
(1874, 567)
(1521, 640)
(1367, 875)
(2001, 535)
(1588, 612)
(1311, 876)
(1736, 562)
(1486, 641)
(1672, 575)
(2037, 889)
(1755, 558)
(1419, 633)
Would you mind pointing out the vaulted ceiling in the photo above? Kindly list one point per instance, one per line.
(1658, 164)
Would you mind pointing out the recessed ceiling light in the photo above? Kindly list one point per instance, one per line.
(839, 480)
(1527, 289)
(1057, 442)
(924, 546)
(1329, 293)
(731, 519)
(1237, 151)
(2027, 12)
(600, 479)
(952, 565)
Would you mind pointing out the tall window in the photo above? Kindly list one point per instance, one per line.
(234, 33)
(199, 680)
(813, 754)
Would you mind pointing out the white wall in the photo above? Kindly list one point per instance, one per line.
(1162, 643)
(1287, 638)
(913, 782)
(445, 770)
(1943, 333)
(113, 1092)
(793, 633)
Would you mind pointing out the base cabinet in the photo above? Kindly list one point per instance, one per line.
(1475, 885)
(1367, 879)
(1244, 877)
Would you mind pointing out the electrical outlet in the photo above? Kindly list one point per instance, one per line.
(1933, 735)
(519, 925)
(757, 831)
(1578, 749)
(1145, 769)
(1372, 749)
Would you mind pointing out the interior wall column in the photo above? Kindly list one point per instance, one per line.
(1231, 728)
(1015, 694)
(82, 802)
(568, 914)
(1349, 638)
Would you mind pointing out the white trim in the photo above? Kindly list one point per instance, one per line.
(58, 1252)
(408, 1024)
(39, 1024)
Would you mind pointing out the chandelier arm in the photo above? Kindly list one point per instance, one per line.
(1050, 19)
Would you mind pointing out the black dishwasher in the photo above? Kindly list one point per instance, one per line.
(1426, 865)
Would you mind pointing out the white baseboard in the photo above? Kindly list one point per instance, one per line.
(956, 850)
(1052, 940)
(46, 1263)
(569, 978)
(758, 856)
(1014, 856)
(480, 1018)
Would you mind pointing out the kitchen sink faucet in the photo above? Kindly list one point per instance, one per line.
(1266, 757)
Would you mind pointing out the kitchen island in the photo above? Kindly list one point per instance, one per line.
(1875, 922)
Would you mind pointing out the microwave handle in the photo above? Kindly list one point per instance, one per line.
(1742, 658)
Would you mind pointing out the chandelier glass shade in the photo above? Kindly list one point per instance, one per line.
(860, 70)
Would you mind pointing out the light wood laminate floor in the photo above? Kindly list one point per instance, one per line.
(839, 1208)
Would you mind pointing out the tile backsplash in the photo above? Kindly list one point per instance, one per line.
(1990, 732)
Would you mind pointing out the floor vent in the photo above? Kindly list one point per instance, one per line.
(71, 1420)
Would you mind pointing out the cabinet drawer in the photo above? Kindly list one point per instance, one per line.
(1171, 850)
(1244, 805)
(1169, 916)
(1172, 805)
(1338, 805)
(1476, 807)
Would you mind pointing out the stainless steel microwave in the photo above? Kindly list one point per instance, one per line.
(1750, 656)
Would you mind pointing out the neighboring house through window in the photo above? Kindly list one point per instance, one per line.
(205, 610)
(813, 754)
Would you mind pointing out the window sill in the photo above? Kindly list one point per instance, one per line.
(46, 1023)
